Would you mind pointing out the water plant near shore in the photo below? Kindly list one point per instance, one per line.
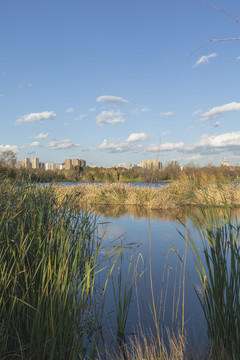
(49, 257)
(218, 268)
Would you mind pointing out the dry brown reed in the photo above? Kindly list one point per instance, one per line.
(142, 347)
(178, 194)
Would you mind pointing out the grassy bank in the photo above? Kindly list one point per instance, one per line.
(178, 194)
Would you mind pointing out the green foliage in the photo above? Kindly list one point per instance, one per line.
(49, 257)
(218, 268)
(170, 172)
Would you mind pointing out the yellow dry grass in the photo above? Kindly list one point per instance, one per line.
(178, 194)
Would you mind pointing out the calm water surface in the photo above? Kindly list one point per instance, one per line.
(145, 229)
(158, 229)
(140, 184)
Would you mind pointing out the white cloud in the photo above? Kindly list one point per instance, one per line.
(216, 143)
(123, 146)
(219, 110)
(69, 110)
(168, 113)
(35, 143)
(206, 145)
(135, 137)
(80, 117)
(13, 148)
(92, 109)
(110, 117)
(41, 136)
(62, 144)
(204, 59)
(168, 146)
(36, 117)
(1, 95)
(193, 157)
(196, 112)
(112, 99)
(20, 86)
(114, 147)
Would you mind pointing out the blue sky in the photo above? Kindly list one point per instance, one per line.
(115, 81)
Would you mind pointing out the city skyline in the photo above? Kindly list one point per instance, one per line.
(120, 81)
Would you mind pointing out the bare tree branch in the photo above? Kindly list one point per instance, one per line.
(210, 41)
(223, 11)
(215, 40)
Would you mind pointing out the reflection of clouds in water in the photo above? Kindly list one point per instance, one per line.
(111, 231)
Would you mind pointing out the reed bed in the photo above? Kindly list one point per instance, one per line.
(218, 268)
(50, 305)
(178, 194)
(49, 256)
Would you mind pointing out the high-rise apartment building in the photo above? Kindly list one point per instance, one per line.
(49, 166)
(76, 162)
(82, 163)
(174, 162)
(144, 164)
(35, 163)
(156, 164)
(151, 164)
(68, 164)
(59, 166)
(26, 163)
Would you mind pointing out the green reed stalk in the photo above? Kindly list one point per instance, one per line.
(218, 268)
(123, 294)
(49, 257)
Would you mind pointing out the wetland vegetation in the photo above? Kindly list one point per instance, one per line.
(51, 304)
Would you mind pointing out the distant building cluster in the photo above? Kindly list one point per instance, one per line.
(68, 164)
(151, 164)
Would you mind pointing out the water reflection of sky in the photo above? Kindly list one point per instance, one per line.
(132, 228)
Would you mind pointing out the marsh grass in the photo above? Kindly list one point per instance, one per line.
(49, 258)
(218, 268)
(50, 305)
(122, 292)
(182, 193)
(143, 347)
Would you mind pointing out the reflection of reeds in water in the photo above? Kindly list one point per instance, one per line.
(138, 212)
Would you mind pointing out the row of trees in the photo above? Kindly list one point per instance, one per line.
(171, 172)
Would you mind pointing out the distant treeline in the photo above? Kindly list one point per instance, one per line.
(99, 174)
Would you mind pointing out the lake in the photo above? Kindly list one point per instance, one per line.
(141, 230)
(136, 226)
